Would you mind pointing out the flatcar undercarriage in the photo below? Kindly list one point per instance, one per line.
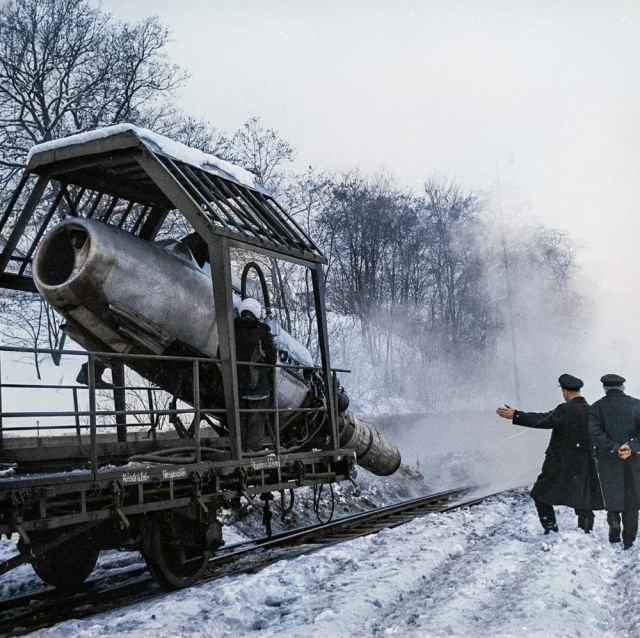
(166, 512)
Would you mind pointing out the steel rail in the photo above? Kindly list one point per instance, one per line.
(46, 608)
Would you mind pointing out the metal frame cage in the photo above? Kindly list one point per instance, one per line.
(126, 179)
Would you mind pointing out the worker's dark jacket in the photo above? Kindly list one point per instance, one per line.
(615, 420)
(568, 475)
(254, 343)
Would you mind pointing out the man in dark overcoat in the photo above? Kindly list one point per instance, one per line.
(568, 475)
(614, 428)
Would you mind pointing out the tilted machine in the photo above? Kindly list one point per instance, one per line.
(82, 229)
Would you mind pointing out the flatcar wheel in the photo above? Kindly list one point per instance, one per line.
(173, 564)
(67, 566)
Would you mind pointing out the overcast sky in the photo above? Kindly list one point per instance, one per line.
(418, 86)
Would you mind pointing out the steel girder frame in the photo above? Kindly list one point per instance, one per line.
(219, 241)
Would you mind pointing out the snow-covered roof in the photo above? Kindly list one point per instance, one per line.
(132, 164)
(158, 144)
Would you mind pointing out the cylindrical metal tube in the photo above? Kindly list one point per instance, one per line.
(373, 452)
(125, 293)
(99, 274)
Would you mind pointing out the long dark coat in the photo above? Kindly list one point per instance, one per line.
(254, 343)
(615, 420)
(568, 475)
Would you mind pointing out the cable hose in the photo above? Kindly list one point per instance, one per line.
(174, 457)
(289, 508)
(317, 494)
(263, 283)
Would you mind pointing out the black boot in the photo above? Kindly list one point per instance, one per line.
(585, 520)
(589, 518)
(614, 532)
(547, 516)
(629, 527)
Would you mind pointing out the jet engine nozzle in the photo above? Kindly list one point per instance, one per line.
(61, 256)
(78, 238)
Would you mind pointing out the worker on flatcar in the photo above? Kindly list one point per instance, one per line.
(568, 475)
(254, 344)
(614, 427)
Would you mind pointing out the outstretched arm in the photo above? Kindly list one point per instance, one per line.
(506, 412)
(546, 420)
(541, 420)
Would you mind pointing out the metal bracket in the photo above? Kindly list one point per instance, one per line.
(242, 488)
(299, 468)
(267, 515)
(196, 494)
(352, 471)
(117, 491)
(18, 501)
(285, 517)
(25, 538)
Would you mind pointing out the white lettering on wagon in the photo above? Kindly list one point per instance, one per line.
(136, 477)
(267, 464)
(181, 472)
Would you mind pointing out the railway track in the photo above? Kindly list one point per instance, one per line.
(46, 608)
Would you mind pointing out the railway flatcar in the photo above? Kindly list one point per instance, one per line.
(146, 249)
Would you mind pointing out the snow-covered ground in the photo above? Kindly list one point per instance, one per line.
(485, 571)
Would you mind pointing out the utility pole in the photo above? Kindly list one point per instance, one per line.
(507, 272)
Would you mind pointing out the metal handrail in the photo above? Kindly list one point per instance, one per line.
(161, 357)
(153, 412)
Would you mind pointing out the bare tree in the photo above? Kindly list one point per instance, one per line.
(554, 252)
(261, 151)
(195, 133)
(141, 397)
(28, 321)
(362, 216)
(304, 198)
(458, 311)
(67, 67)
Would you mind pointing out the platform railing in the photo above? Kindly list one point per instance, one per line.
(86, 406)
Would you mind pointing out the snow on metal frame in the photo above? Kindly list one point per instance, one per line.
(158, 144)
